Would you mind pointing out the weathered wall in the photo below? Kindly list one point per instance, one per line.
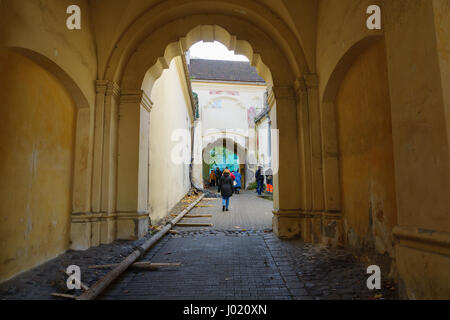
(169, 180)
(40, 26)
(363, 116)
(418, 81)
(341, 24)
(36, 144)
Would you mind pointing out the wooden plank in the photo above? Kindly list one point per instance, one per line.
(63, 295)
(142, 265)
(98, 287)
(198, 216)
(194, 224)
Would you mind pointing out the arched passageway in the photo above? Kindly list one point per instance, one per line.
(227, 154)
(362, 119)
(134, 110)
(37, 138)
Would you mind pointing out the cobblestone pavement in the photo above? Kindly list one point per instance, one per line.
(238, 258)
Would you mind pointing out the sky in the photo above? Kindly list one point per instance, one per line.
(214, 51)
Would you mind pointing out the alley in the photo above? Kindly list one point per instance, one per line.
(238, 258)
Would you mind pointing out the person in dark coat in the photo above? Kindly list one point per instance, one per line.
(218, 175)
(259, 180)
(226, 189)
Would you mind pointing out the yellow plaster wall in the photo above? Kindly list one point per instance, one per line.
(366, 151)
(340, 24)
(36, 148)
(40, 26)
(168, 181)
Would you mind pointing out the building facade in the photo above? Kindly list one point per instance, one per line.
(230, 95)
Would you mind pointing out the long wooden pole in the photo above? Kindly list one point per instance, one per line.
(143, 265)
(103, 283)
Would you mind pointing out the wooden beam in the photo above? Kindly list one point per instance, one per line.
(142, 265)
(194, 224)
(103, 283)
(63, 295)
(197, 216)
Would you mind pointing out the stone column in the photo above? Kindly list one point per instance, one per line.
(286, 220)
(317, 195)
(82, 175)
(133, 160)
(95, 224)
(109, 167)
(304, 155)
(417, 34)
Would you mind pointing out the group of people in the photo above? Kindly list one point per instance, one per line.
(259, 176)
(227, 183)
(230, 182)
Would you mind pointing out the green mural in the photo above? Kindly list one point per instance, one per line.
(222, 157)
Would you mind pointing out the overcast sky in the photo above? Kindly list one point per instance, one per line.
(214, 51)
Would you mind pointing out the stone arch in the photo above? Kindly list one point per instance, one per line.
(241, 150)
(218, 138)
(67, 82)
(40, 104)
(146, 64)
(330, 147)
(224, 97)
(146, 50)
(359, 173)
(258, 18)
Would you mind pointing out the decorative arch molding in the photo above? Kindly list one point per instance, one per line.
(141, 73)
(241, 150)
(330, 146)
(224, 97)
(67, 82)
(256, 14)
(344, 64)
(235, 137)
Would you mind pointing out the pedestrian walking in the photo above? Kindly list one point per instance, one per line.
(212, 179)
(259, 180)
(218, 176)
(226, 189)
(237, 181)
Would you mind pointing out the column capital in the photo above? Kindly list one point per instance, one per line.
(113, 89)
(101, 86)
(108, 88)
(300, 88)
(271, 99)
(137, 96)
(283, 93)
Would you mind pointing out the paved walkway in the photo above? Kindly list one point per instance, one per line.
(246, 211)
(237, 258)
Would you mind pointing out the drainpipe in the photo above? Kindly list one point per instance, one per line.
(193, 104)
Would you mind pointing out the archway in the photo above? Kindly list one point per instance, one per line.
(358, 162)
(234, 147)
(40, 106)
(139, 76)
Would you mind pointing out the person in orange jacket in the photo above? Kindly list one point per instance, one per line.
(212, 179)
